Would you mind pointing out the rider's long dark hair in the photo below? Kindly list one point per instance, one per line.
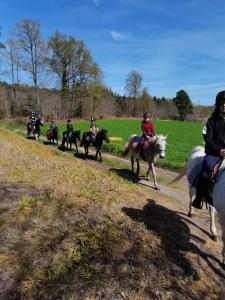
(219, 97)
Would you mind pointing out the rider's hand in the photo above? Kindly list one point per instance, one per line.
(222, 153)
(149, 138)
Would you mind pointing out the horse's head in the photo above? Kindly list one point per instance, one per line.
(103, 135)
(161, 145)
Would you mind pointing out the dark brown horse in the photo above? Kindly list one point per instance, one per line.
(53, 135)
(69, 140)
(97, 142)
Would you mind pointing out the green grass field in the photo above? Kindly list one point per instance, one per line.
(182, 137)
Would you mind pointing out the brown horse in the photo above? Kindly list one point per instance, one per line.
(151, 152)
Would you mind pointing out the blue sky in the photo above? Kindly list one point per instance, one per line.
(173, 44)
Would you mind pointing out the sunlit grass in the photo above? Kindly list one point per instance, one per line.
(181, 137)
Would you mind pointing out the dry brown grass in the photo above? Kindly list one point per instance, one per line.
(87, 233)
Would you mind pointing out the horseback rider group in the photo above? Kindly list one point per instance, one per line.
(213, 133)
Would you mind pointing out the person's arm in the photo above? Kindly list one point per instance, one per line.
(209, 140)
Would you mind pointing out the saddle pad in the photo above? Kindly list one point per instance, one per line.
(195, 172)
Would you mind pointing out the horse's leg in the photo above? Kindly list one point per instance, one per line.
(138, 166)
(190, 201)
(221, 218)
(86, 151)
(75, 143)
(212, 222)
(154, 176)
(132, 162)
(36, 136)
(100, 155)
(148, 172)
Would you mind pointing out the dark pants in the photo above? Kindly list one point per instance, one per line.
(204, 183)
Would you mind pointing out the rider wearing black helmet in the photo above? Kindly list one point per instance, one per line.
(69, 128)
(214, 149)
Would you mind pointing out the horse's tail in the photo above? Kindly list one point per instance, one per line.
(127, 147)
(126, 150)
(180, 175)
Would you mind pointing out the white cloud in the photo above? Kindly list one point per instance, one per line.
(117, 36)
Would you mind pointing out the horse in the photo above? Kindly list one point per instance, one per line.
(87, 140)
(154, 150)
(52, 135)
(73, 139)
(34, 127)
(218, 194)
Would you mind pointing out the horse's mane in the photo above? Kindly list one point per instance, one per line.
(161, 137)
(102, 130)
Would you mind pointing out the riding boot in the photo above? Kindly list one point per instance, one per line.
(201, 191)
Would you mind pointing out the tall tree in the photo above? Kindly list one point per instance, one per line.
(33, 50)
(73, 64)
(13, 57)
(183, 104)
(147, 101)
(133, 86)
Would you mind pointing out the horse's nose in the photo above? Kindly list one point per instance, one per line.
(162, 156)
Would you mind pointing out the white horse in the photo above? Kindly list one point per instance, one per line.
(218, 196)
(153, 151)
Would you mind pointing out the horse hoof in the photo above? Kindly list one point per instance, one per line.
(189, 215)
(157, 188)
(214, 238)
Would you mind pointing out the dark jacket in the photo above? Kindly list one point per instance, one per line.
(215, 135)
(69, 128)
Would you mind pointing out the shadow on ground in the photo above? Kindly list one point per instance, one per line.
(175, 237)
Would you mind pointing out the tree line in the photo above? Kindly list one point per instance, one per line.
(65, 63)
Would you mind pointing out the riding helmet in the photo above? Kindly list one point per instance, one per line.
(146, 115)
(219, 97)
(92, 120)
(68, 120)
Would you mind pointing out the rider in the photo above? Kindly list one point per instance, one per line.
(214, 137)
(32, 120)
(68, 132)
(148, 133)
(69, 129)
(94, 129)
(52, 125)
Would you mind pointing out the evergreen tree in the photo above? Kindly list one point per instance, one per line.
(183, 104)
